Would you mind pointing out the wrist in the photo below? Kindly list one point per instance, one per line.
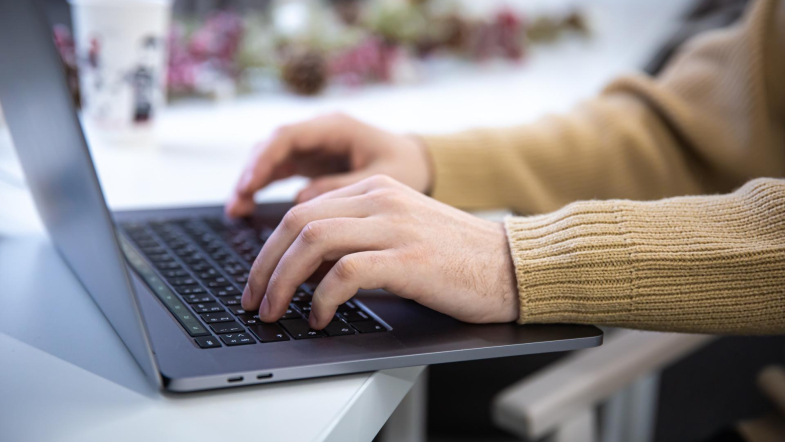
(425, 162)
(508, 279)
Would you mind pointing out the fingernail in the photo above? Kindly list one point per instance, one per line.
(246, 299)
(312, 320)
(264, 309)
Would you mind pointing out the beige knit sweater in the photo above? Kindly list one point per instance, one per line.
(712, 122)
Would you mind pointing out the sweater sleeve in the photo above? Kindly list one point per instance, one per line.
(703, 264)
(710, 123)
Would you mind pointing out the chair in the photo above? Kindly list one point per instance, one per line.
(561, 403)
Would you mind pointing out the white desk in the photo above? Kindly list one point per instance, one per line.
(64, 375)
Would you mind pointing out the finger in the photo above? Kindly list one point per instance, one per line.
(319, 241)
(363, 270)
(325, 184)
(260, 171)
(284, 235)
(331, 133)
(367, 185)
(239, 206)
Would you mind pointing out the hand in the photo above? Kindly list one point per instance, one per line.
(336, 151)
(386, 235)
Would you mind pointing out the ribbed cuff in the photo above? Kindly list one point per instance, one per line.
(572, 265)
(701, 264)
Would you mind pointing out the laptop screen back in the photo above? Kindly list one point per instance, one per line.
(59, 170)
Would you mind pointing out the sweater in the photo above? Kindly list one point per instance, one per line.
(657, 205)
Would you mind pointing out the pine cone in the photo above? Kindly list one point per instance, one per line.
(348, 11)
(305, 72)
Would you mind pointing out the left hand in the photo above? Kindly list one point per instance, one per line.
(386, 235)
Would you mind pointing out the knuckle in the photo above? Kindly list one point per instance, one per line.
(282, 130)
(293, 218)
(346, 269)
(381, 181)
(312, 232)
(390, 197)
(386, 181)
(340, 118)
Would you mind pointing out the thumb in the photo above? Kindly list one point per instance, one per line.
(321, 185)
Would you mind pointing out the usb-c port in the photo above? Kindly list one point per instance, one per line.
(236, 379)
(264, 376)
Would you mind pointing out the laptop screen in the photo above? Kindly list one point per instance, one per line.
(59, 171)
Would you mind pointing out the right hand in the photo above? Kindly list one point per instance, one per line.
(335, 151)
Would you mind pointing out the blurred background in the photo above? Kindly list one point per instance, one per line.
(221, 75)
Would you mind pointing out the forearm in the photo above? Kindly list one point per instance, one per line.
(709, 264)
(609, 147)
(710, 123)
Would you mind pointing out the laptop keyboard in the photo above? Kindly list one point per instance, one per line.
(198, 268)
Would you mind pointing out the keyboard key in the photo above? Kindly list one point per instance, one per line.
(368, 327)
(208, 275)
(300, 329)
(234, 269)
(265, 234)
(162, 257)
(290, 314)
(176, 244)
(201, 266)
(219, 255)
(248, 319)
(210, 307)
(354, 316)
(233, 339)
(347, 307)
(153, 250)
(268, 332)
(167, 265)
(302, 304)
(207, 342)
(338, 328)
(227, 327)
(182, 281)
(189, 290)
(218, 282)
(198, 299)
(302, 297)
(217, 317)
(237, 310)
(146, 242)
(175, 273)
(305, 289)
(231, 300)
(185, 251)
(194, 259)
(228, 290)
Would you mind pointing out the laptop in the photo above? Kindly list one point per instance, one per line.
(169, 280)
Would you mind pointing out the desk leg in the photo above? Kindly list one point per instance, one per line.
(408, 423)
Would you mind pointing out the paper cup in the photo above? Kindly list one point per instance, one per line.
(121, 51)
